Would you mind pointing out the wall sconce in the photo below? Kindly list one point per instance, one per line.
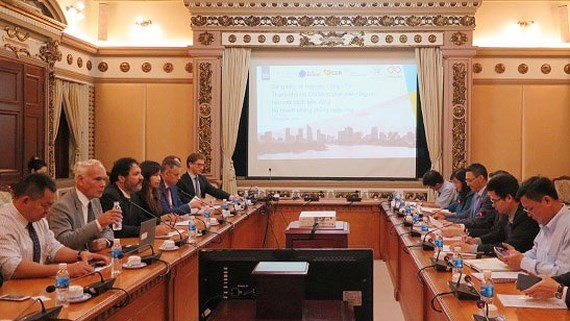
(76, 10)
(142, 22)
(525, 23)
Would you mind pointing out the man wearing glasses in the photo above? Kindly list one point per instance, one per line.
(193, 183)
(550, 254)
(482, 215)
(513, 227)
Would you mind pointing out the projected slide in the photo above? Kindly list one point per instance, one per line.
(341, 120)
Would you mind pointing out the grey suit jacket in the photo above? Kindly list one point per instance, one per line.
(66, 221)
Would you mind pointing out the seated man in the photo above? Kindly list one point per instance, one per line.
(193, 183)
(550, 254)
(125, 181)
(170, 174)
(444, 190)
(514, 226)
(481, 214)
(28, 248)
(76, 219)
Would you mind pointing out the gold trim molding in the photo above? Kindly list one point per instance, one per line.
(332, 39)
(419, 22)
(199, 5)
(459, 129)
(205, 136)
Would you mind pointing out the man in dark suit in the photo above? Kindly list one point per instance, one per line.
(171, 202)
(513, 227)
(482, 215)
(194, 180)
(125, 181)
(77, 219)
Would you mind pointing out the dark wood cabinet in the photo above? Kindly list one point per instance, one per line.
(22, 118)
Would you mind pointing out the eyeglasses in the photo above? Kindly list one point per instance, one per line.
(495, 200)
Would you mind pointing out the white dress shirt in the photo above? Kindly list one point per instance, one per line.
(550, 254)
(16, 244)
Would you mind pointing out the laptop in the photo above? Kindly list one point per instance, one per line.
(146, 237)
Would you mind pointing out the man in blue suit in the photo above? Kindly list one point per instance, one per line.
(170, 174)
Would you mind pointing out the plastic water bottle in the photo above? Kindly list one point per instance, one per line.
(487, 287)
(207, 217)
(256, 193)
(117, 226)
(424, 226)
(192, 230)
(62, 286)
(415, 215)
(225, 210)
(438, 242)
(457, 261)
(116, 258)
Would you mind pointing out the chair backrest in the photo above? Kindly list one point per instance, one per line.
(562, 185)
(6, 194)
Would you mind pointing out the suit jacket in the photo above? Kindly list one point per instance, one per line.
(178, 207)
(66, 221)
(187, 186)
(481, 222)
(520, 233)
(132, 215)
(461, 205)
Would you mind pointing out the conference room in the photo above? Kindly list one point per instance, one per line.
(331, 105)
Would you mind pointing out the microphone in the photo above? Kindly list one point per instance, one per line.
(178, 243)
(464, 291)
(94, 288)
(429, 246)
(148, 259)
(43, 315)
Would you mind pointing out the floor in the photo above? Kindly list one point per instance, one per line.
(386, 308)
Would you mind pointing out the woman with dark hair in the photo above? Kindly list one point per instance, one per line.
(149, 196)
(459, 208)
(37, 165)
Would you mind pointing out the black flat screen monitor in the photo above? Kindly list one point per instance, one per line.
(226, 274)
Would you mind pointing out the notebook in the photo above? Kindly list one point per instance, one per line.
(499, 277)
(493, 264)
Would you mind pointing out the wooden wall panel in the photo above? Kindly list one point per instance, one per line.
(546, 130)
(169, 121)
(496, 127)
(34, 114)
(11, 115)
(119, 122)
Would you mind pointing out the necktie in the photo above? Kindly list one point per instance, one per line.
(169, 195)
(36, 242)
(475, 205)
(197, 187)
(90, 213)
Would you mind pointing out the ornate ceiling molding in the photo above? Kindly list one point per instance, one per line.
(315, 15)
(381, 22)
(332, 39)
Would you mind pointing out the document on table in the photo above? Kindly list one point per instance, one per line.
(499, 277)
(492, 264)
(523, 301)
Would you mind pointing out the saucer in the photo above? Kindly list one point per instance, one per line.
(214, 224)
(83, 298)
(135, 266)
(168, 249)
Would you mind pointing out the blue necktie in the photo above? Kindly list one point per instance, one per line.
(475, 205)
(36, 242)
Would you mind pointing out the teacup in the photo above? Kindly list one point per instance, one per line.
(75, 291)
(213, 220)
(168, 244)
(134, 260)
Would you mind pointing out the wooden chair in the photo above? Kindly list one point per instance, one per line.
(6, 194)
(562, 185)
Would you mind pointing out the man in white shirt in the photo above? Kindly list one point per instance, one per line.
(444, 190)
(550, 254)
(28, 248)
(76, 219)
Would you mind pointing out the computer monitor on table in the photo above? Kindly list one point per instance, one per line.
(226, 274)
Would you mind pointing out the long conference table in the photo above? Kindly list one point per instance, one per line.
(159, 294)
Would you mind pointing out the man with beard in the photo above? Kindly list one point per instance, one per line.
(125, 181)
